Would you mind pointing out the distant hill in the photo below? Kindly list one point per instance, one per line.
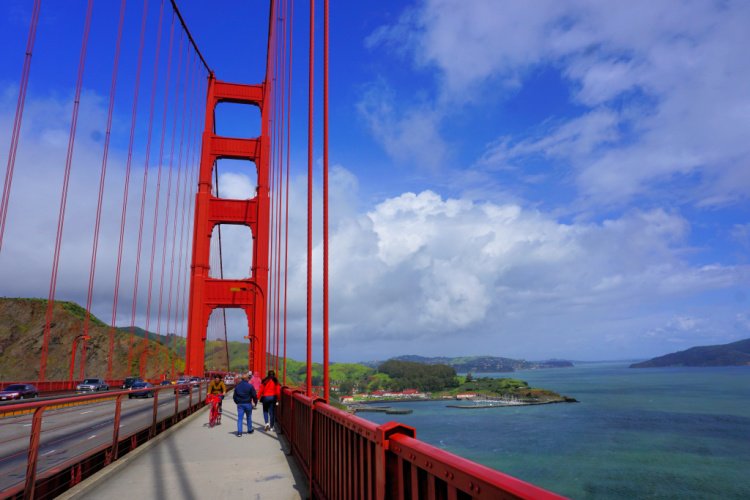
(734, 354)
(22, 323)
(481, 364)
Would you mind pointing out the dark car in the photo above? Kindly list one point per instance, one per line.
(129, 381)
(91, 385)
(139, 389)
(165, 382)
(184, 384)
(18, 391)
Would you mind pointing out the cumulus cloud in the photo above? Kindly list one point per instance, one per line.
(418, 266)
(662, 85)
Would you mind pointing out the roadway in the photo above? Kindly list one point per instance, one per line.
(72, 431)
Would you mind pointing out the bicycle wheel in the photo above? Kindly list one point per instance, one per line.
(213, 415)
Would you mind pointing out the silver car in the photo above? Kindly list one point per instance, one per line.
(92, 385)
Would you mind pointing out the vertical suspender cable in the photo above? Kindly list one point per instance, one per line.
(311, 80)
(169, 189)
(126, 187)
(282, 71)
(267, 114)
(18, 119)
(64, 193)
(278, 145)
(158, 193)
(221, 267)
(102, 177)
(144, 187)
(288, 136)
(179, 310)
(326, 380)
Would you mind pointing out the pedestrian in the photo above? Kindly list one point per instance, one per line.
(245, 397)
(255, 381)
(270, 390)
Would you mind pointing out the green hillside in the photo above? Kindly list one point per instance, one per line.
(734, 354)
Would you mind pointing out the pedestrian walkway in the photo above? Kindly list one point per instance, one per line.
(196, 462)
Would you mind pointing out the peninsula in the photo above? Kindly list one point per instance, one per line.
(734, 354)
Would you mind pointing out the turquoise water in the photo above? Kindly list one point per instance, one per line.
(636, 433)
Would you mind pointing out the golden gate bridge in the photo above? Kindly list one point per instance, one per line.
(170, 137)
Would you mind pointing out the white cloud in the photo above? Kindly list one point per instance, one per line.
(411, 135)
(422, 267)
(664, 84)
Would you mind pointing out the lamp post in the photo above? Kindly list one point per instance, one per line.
(83, 337)
(250, 352)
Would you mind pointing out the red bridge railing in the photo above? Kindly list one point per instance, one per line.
(58, 385)
(345, 456)
(42, 482)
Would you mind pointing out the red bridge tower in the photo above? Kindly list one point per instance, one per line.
(249, 294)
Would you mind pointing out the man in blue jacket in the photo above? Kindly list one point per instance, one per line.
(245, 397)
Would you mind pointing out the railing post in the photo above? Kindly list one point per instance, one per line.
(34, 438)
(152, 432)
(176, 405)
(312, 447)
(190, 399)
(112, 455)
(383, 487)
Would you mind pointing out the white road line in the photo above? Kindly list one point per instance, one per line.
(27, 425)
(85, 412)
(91, 437)
(49, 453)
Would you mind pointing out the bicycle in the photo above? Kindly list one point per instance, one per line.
(214, 417)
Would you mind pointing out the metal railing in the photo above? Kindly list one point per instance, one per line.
(58, 385)
(51, 480)
(344, 456)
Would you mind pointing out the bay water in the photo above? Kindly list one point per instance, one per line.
(636, 433)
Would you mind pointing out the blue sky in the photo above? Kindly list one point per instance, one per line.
(556, 179)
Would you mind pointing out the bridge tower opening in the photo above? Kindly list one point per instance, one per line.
(207, 292)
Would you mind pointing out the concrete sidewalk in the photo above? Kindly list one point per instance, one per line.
(196, 462)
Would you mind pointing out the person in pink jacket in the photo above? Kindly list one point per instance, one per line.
(270, 391)
(255, 381)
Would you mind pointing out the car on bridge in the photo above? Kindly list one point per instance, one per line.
(185, 385)
(129, 381)
(18, 391)
(92, 385)
(140, 389)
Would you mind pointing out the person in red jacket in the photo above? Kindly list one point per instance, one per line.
(270, 390)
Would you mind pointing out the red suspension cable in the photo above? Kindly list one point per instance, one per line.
(64, 193)
(158, 193)
(310, 91)
(180, 193)
(145, 187)
(169, 190)
(18, 118)
(288, 142)
(326, 380)
(126, 187)
(100, 200)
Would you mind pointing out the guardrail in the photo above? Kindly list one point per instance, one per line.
(345, 456)
(52, 481)
(58, 385)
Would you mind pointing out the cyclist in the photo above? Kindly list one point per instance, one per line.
(217, 387)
